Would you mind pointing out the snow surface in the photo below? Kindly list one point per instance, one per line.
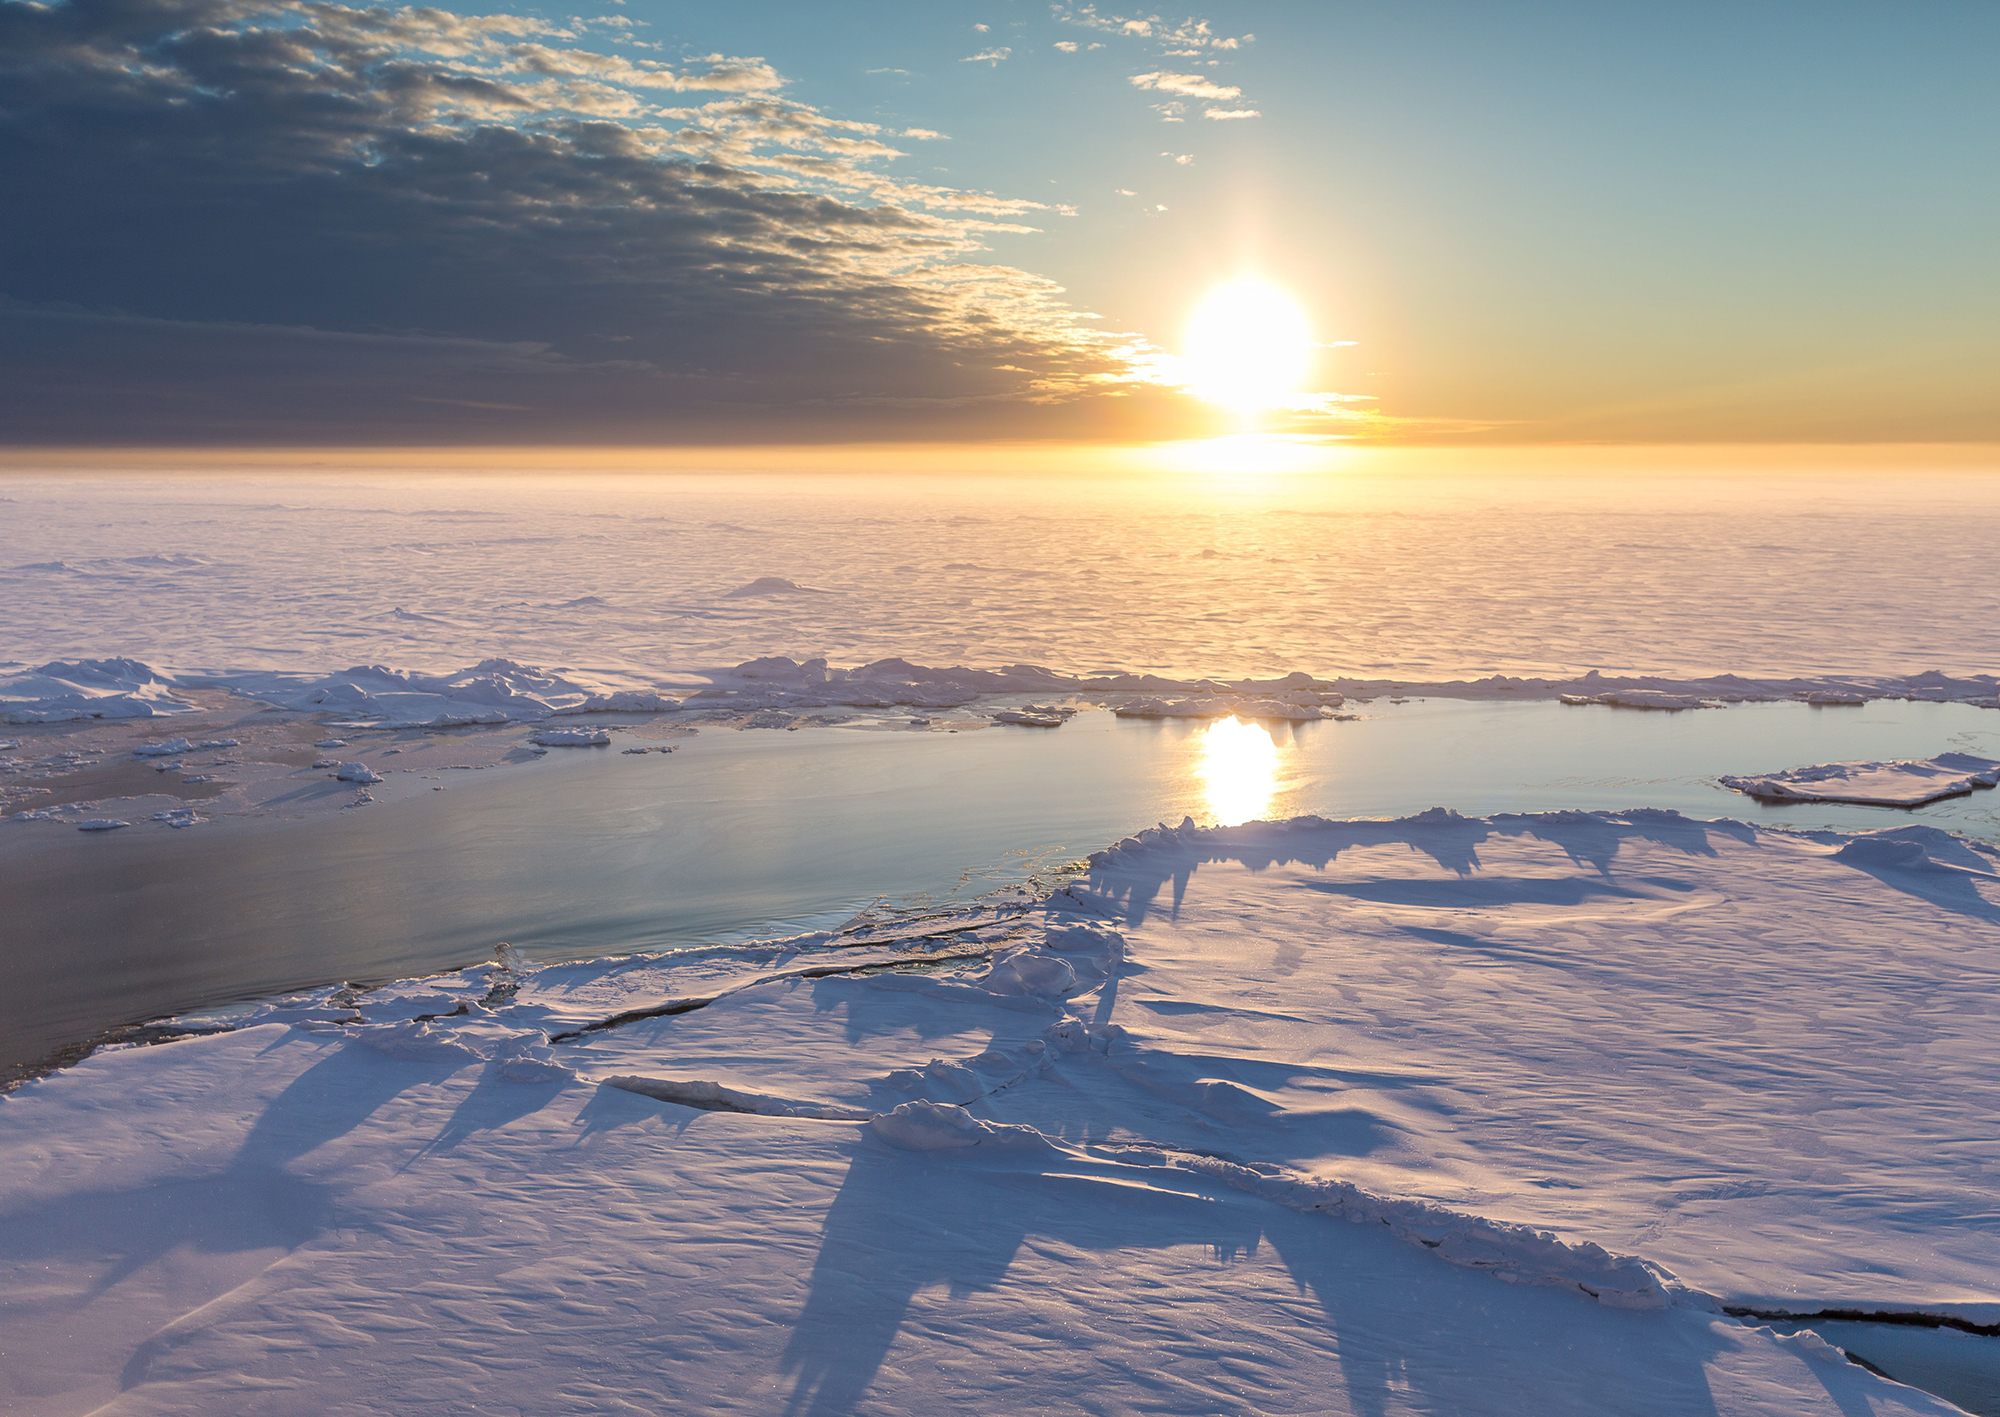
(281, 581)
(1429, 1115)
(1895, 784)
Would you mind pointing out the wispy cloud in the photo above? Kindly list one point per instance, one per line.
(1186, 85)
(1189, 39)
(987, 56)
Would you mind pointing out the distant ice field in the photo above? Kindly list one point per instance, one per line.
(631, 577)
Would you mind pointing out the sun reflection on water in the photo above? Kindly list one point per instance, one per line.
(1239, 770)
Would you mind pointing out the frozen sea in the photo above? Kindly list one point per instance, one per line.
(1615, 1065)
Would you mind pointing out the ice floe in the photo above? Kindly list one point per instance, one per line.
(357, 772)
(570, 737)
(1909, 783)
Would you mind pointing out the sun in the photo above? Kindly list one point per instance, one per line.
(1248, 345)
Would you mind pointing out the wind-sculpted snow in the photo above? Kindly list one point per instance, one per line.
(1007, 1156)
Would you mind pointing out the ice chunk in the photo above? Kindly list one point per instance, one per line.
(357, 772)
(570, 737)
(167, 748)
(100, 824)
(941, 1126)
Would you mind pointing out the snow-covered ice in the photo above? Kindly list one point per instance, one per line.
(1893, 784)
(1437, 1114)
(518, 596)
(570, 737)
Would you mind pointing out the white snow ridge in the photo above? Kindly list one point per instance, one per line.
(1580, 1084)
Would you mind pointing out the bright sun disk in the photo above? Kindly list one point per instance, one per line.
(1248, 345)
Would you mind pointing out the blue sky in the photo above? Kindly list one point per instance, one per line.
(1535, 221)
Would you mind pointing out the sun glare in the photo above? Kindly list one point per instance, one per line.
(1238, 770)
(1248, 345)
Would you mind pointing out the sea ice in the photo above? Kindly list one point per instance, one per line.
(1886, 784)
(570, 737)
(357, 772)
(100, 824)
(62, 690)
(1486, 1117)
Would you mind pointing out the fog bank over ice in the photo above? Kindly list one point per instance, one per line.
(631, 582)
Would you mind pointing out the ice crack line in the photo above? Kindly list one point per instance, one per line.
(1910, 1318)
(819, 971)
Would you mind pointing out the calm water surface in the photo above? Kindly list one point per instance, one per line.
(748, 833)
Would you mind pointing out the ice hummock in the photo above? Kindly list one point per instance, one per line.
(63, 690)
(1907, 783)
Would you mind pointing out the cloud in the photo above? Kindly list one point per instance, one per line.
(1186, 85)
(1230, 113)
(1182, 158)
(1066, 46)
(299, 220)
(986, 56)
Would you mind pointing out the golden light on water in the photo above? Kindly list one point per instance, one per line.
(1238, 770)
(1248, 346)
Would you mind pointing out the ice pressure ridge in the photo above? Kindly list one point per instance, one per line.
(501, 690)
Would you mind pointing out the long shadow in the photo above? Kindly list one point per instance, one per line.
(1129, 886)
(904, 1222)
(252, 1203)
(1526, 1339)
(1927, 863)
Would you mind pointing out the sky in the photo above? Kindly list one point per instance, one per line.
(299, 223)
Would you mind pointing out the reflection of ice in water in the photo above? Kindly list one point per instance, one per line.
(1239, 770)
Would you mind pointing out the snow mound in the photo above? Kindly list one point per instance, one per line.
(1909, 783)
(416, 1042)
(1030, 973)
(771, 585)
(625, 701)
(570, 737)
(942, 1126)
(492, 691)
(62, 690)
